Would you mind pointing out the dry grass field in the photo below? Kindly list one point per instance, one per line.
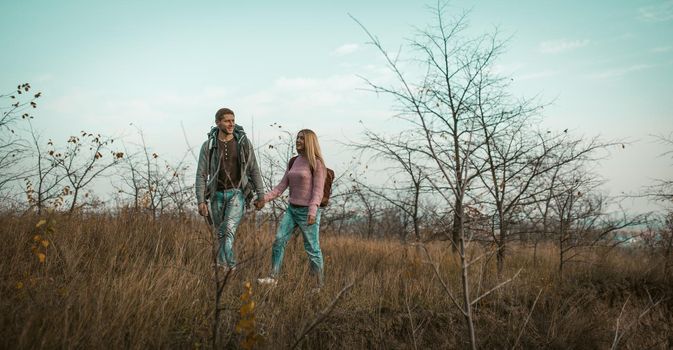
(127, 281)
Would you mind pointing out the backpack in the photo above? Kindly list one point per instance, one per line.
(327, 189)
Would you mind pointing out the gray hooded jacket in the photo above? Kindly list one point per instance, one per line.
(209, 166)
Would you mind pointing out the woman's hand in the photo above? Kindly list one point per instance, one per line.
(311, 220)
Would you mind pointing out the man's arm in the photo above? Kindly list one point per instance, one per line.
(201, 180)
(254, 174)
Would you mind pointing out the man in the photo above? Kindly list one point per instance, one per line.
(227, 176)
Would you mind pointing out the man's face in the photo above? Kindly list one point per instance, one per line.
(226, 123)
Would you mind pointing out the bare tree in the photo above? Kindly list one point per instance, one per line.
(406, 177)
(85, 158)
(582, 217)
(342, 213)
(14, 145)
(663, 189)
(658, 237)
(370, 209)
(154, 184)
(176, 188)
(516, 159)
(660, 230)
(43, 182)
(511, 157)
(132, 184)
(539, 217)
(441, 105)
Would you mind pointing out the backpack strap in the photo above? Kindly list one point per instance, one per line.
(291, 162)
(212, 139)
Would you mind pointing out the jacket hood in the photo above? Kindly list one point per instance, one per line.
(238, 131)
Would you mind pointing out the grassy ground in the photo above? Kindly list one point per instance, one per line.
(131, 282)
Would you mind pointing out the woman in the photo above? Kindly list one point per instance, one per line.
(305, 176)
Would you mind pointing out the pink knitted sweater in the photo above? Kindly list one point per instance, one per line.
(306, 188)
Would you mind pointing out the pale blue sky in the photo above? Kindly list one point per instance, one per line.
(608, 66)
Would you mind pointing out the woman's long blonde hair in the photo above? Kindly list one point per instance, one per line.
(312, 148)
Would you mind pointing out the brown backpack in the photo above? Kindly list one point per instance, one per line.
(327, 189)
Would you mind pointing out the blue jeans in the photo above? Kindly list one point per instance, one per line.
(297, 217)
(226, 210)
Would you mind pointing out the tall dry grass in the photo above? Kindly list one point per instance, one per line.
(127, 281)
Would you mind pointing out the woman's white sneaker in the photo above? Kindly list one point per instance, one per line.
(268, 280)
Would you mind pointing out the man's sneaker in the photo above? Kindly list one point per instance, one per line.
(268, 280)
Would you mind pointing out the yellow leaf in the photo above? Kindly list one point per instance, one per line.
(245, 297)
(245, 325)
(42, 257)
(248, 308)
(37, 238)
(41, 222)
(248, 343)
(45, 243)
(19, 285)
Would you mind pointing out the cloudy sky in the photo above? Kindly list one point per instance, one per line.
(606, 65)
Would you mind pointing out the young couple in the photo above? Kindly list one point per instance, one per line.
(228, 177)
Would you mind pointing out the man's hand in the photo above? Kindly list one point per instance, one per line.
(203, 209)
(259, 204)
(311, 220)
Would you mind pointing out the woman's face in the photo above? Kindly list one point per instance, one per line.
(299, 143)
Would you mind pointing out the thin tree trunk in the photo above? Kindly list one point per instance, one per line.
(535, 251)
(466, 290)
(667, 256)
(500, 257)
(74, 199)
(457, 224)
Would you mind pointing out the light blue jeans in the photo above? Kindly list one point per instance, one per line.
(226, 210)
(297, 217)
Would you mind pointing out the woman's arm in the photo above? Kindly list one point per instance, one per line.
(318, 187)
(278, 190)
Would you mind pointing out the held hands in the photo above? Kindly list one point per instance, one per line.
(259, 204)
(203, 209)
